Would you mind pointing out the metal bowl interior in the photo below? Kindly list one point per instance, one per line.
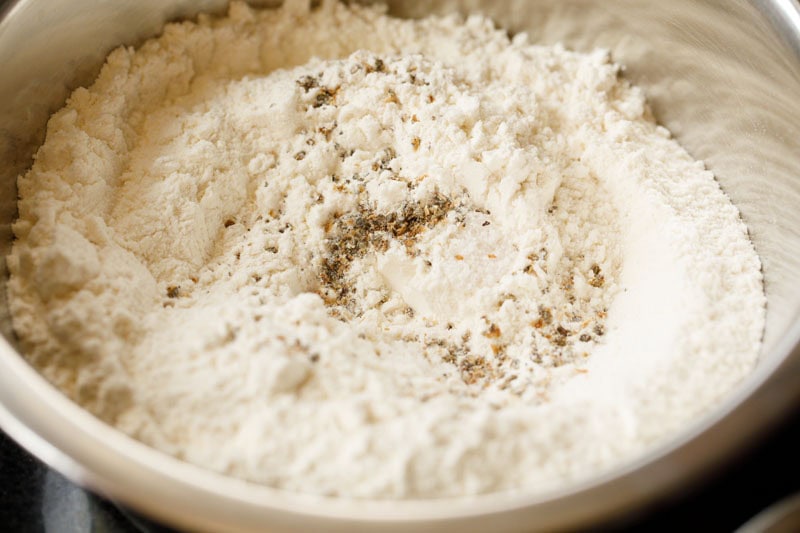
(723, 76)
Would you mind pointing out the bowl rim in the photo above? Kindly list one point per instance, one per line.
(91, 453)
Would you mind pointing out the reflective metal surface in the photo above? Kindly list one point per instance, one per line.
(724, 76)
(783, 517)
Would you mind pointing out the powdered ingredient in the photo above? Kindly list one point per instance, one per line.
(340, 253)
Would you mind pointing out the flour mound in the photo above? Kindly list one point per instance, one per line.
(340, 253)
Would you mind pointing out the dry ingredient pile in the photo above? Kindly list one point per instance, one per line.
(340, 253)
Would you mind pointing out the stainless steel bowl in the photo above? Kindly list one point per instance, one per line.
(723, 75)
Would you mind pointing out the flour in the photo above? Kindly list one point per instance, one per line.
(340, 253)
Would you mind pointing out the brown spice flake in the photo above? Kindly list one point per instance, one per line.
(354, 234)
(598, 280)
(173, 291)
(325, 96)
(308, 82)
(415, 143)
(473, 368)
(459, 257)
(493, 332)
(327, 131)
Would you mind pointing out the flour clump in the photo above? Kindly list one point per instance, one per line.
(407, 259)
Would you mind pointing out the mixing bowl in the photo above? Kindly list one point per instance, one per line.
(723, 75)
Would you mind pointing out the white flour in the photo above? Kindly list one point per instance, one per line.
(452, 264)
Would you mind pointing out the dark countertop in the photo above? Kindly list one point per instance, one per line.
(34, 498)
